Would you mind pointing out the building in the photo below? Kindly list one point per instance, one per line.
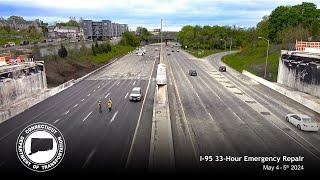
(123, 28)
(100, 30)
(115, 30)
(66, 32)
(18, 23)
(51, 34)
(96, 30)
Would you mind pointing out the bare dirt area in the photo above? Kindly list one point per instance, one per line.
(61, 71)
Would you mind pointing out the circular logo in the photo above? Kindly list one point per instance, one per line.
(40, 147)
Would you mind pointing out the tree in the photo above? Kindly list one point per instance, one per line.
(93, 48)
(129, 39)
(143, 33)
(63, 52)
(306, 14)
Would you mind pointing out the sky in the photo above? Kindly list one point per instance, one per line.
(147, 13)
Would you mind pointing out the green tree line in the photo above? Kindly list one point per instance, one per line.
(283, 26)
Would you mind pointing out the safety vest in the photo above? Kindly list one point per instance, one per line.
(109, 104)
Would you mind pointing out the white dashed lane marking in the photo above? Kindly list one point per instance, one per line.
(134, 83)
(66, 112)
(88, 94)
(56, 121)
(75, 105)
(107, 95)
(89, 157)
(87, 116)
(82, 100)
(113, 117)
(126, 95)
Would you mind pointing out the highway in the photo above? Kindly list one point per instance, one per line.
(95, 142)
(212, 114)
(227, 114)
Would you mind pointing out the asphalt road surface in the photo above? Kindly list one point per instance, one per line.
(95, 141)
(227, 114)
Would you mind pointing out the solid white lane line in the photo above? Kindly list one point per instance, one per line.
(89, 157)
(126, 95)
(56, 121)
(66, 112)
(87, 116)
(75, 105)
(113, 117)
(134, 83)
(107, 95)
(139, 118)
(82, 100)
(89, 94)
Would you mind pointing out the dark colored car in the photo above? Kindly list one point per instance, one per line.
(24, 43)
(172, 51)
(222, 69)
(193, 73)
(6, 45)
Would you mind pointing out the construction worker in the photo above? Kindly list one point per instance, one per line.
(109, 104)
(99, 104)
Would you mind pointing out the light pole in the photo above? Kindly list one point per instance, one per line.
(265, 68)
(225, 45)
(161, 35)
(230, 44)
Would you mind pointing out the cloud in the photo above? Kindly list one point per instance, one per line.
(148, 13)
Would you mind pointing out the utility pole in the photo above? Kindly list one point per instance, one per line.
(161, 49)
(230, 44)
(161, 35)
(225, 45)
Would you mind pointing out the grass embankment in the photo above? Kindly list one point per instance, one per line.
(200, 53)
(253, 60)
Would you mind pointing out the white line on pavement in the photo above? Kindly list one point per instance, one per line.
(66, 112)
(139, 118)
(98, 87)
(75, 105)
(118, 83)
(113, 117)
(134, 83)
(107, 95)
(56, 121)
(94, 90)
(82, 100)
(87, 116)
(89, 157)
(126, 95)
(89, 94)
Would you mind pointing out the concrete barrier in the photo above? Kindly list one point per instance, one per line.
(308, 101)
(24, 104)
(161, 157)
